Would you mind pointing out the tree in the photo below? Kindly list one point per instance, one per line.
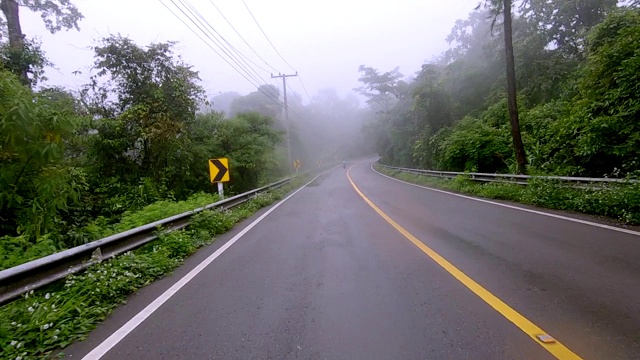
(381, 89)
(264, 101)
(603, 131)
(521, 157)
(147, 99)
(29, 62)
(56, 14)
(248, 140)
(504, 7)
(565, 23)
(35, 182)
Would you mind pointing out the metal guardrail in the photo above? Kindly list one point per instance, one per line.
(510, 178)
(20, 279)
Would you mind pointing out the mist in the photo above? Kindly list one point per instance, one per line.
(237, 48)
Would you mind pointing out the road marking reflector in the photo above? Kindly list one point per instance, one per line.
(554, 347)
(547, 339)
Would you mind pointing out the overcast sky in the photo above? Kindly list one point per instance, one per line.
(325, 41)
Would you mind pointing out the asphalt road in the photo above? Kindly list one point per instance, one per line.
(324, 276)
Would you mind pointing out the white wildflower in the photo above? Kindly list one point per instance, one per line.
(31, 292)
(30, 309)
(55, 337)
(19, 345)
(47, 296)
(45, 326)
(13, 323)
(13, 343)
(18, 357)
(53, 306)
(57, 331)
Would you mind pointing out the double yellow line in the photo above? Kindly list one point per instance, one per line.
(553, 346)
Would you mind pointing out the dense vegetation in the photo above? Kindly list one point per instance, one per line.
(75, 163)
(618, 202)
(130, 139)
(52, 317)
(577, 67)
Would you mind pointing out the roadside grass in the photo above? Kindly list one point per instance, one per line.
(18, 250)
(620, 202)
(45, 321)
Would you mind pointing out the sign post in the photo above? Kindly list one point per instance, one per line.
(219, 173)
(221, 190)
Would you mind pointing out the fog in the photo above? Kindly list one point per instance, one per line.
(238, 46)
(324, 41)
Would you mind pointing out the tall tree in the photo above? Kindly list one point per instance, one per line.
(56, 14)
(381, 89)
(154, 97)
(497, 7)
(518, 146)
(565, 23)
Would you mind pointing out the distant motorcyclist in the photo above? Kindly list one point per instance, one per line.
(344, 164)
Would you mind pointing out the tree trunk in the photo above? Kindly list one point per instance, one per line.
(11, 11)
(521, 157)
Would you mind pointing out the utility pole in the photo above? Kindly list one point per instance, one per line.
(286, 111)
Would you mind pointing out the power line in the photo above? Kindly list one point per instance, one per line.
(195, 12)
(265, 35)
(304, 88)
(214, 50)
(246, 67)
(245, 41)
(221, 47)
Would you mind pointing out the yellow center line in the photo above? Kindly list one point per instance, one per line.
(556, 348)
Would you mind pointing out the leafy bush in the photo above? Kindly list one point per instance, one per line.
(620, 201)
(131, 219)
(57, 315)
(18, 250)
(35, 183)
(474, 145)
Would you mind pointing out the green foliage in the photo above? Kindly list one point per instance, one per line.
(262, 101)
(577, 64)
(56, 14)
(140, 134)
(381, 89)
(35, 182)
(212, 221)
(475, 146)
(100, 228)
(30, 59)
(18, 250)
(53, 317)
(620, 202)
(74, 170)
(24, 57)
(248, 140)
(607, 115)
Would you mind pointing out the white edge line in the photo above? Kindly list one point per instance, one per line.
(608, 227)
(127, 328)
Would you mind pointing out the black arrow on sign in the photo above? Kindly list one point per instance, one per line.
(221, 170)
